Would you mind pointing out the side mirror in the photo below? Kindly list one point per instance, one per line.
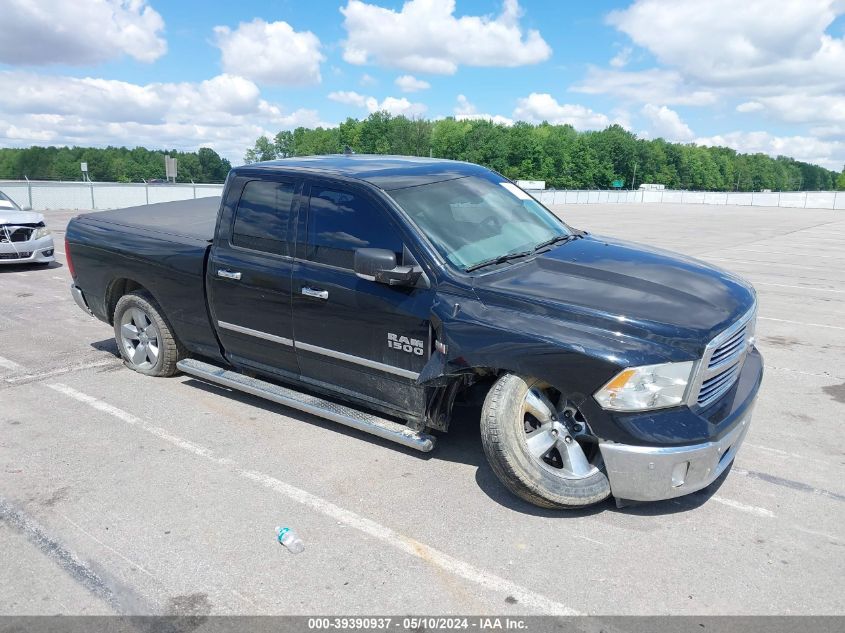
(26, 208)
(379, 265)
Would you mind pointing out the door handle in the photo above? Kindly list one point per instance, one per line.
(314, 292)
(228, 274)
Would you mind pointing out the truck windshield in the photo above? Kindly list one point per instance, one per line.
(473, 220)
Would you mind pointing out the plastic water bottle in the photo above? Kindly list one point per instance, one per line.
(290, 540)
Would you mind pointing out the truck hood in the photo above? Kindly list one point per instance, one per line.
(625, 289)
(13, 216)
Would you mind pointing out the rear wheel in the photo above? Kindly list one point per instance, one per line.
(143, 337)
(539, 445)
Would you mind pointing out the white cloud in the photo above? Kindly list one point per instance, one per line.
(409, 83)
(538, 107)
(393, 105)
(466, 111)
(368, 80)
(79, 33)
(774, 57)
(729, 43)
(349, 97)
(425, 36)
(399, 106)
(225, 112)
(645, 86)
(464, 106)
(621, 58)
(666, 123)
(270, 53)
(805, 148)
(750, 106)
(798, 107)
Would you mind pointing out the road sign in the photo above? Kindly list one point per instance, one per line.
(617, 184)
(170, 165)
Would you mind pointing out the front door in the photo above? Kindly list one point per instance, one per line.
(365, 338)
(249, 276)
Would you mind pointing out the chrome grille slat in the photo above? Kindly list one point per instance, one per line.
(729, 348)
(722, 361)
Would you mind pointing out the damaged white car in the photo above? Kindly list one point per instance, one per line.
(24, 238)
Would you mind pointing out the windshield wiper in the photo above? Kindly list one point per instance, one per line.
(557, 238)
(501, 259)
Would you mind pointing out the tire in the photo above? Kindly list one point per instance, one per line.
(504, 421)
(145, 340)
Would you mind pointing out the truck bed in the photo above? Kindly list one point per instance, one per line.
(159, 247)
(193, 219)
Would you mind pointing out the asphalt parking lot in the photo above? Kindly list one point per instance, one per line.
(121, 493)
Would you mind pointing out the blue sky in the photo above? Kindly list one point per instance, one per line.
(757, 76)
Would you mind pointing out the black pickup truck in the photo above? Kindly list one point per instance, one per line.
(380, 291)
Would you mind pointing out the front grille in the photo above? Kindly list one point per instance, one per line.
(729, 350)
(21, 255)
(723, 360)
(715, 386)
(16, 234)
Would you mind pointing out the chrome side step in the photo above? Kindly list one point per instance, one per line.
(354, 418)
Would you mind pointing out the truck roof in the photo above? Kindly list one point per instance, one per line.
(385, 172)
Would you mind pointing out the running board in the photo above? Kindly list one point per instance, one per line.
(354, 418)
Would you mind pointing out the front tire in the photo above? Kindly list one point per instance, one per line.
(143, 336)
(531, 446)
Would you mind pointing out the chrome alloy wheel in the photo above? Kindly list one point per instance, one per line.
(550, 438)
(140, 338)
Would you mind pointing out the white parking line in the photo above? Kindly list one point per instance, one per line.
(801, 372)
(60, 371)
(815, 288)
(832, 327)
(9, 364)
(369, 527)
(752, 261)
(755, 510)
(778, 253)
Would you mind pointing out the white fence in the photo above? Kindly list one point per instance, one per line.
(42, 195)
(795, 199)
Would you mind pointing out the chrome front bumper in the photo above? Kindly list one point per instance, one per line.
(645, 473)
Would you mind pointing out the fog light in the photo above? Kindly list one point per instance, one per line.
(47, 253)
(679, 474)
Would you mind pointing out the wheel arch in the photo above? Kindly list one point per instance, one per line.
(116, 289)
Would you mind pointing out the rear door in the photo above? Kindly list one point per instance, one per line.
(249, 274)
(353, 335)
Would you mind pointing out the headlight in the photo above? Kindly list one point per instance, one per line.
(647, 387)
(41, 232)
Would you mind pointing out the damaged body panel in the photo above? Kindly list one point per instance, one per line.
(24, 238)
(404, 285)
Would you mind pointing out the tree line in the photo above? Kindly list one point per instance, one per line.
(110, 164)
(558, 154)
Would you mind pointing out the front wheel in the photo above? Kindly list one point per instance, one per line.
(539, 445)
(143, 337)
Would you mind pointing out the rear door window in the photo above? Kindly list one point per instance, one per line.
(262, 220)
(341, 221)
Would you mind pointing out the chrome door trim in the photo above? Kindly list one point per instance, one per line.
(245, 330)
(307, 347)
(349, 358)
